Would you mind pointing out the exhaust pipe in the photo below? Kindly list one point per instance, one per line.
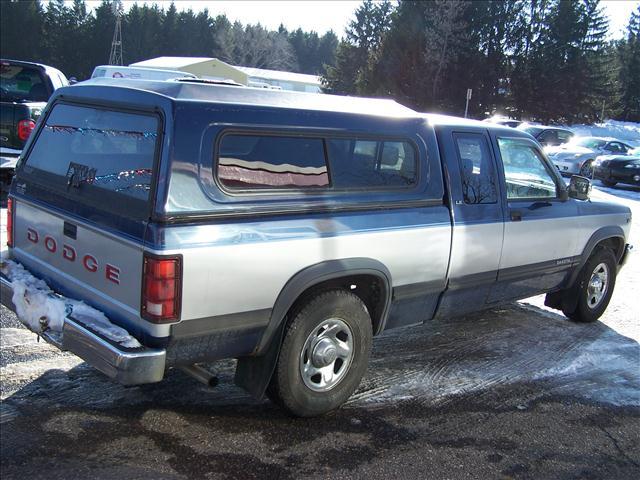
(201, 374)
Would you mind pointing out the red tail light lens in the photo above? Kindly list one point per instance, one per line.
(10, 222)
(25, 127)
(161, 287)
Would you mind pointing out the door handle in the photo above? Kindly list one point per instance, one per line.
(516, 215)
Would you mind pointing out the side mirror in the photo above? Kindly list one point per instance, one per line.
(579, 187)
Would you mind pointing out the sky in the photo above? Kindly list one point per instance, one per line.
(322, 16)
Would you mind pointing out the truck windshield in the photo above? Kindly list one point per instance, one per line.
(96, 155)
(22, 84)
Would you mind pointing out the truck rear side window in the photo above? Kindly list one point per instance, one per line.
(476, 166)
(269, 161)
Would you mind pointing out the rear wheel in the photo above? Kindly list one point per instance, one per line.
(595, 286)
(587, 169)
(608, 183)
(324, 354)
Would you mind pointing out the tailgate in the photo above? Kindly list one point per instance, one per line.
(82, 262)
(8, 133)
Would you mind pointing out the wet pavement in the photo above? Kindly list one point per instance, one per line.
(514, 392)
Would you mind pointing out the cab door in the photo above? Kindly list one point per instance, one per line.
(478, 224)
(541, 227)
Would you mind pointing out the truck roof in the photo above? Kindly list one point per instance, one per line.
(205, 93)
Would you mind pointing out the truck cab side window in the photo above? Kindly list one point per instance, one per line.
(525, 171)
(476, 167)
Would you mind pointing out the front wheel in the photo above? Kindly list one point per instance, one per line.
(595, 286)
(587, 169)
(324, 354)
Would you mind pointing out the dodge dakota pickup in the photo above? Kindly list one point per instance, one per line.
(157, 225)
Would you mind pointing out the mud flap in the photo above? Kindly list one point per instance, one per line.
(253, 374)
(565, 300)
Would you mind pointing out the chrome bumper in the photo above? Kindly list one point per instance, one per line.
(126, 366)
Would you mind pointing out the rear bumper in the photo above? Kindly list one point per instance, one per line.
(126, 366)
(9, 157)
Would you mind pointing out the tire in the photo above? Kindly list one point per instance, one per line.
(593, 298)
(587, 169)
(608, 183)
(335, 318)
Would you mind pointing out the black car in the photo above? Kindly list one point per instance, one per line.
(547, 136)
(612, 169)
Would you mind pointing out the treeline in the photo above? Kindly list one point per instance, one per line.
(545, 60)
(71, 38)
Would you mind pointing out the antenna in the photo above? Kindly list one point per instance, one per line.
(115, 57)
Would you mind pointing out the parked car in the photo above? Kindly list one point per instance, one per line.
(547, 136)
(200, 222)
(578, 155)
(614, 169)
(25, 88)
(506, 122)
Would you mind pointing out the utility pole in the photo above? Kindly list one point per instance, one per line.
(115, 57)
(602, 114)
(466, 107)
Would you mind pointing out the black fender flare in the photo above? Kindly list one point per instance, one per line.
(604, 233)
(567, 298)
(254, 372)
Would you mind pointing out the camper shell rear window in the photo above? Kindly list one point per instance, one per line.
(99, 156)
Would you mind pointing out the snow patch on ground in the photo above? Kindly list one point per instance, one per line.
(42, 310)
(622, 191)
(625, 131)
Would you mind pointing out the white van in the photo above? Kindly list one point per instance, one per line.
(116, 71)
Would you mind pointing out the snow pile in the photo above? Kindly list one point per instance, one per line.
(625, 131)
(42, 310)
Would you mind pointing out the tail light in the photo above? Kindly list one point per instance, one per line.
(25, 127)
(10, 222)
(161, 287)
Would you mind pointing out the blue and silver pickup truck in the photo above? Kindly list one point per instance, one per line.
(157, 225)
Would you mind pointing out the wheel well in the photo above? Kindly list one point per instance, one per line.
(614, 243)
(369, 288)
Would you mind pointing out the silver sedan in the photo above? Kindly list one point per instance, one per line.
(577, 156)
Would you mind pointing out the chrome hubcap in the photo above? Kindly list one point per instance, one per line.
(326, 355)
(598, 285)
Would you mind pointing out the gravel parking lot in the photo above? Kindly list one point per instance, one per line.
(514, 392)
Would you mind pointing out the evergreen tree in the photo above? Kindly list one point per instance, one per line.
(359, 52)
(21, 30)
(629, 76)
